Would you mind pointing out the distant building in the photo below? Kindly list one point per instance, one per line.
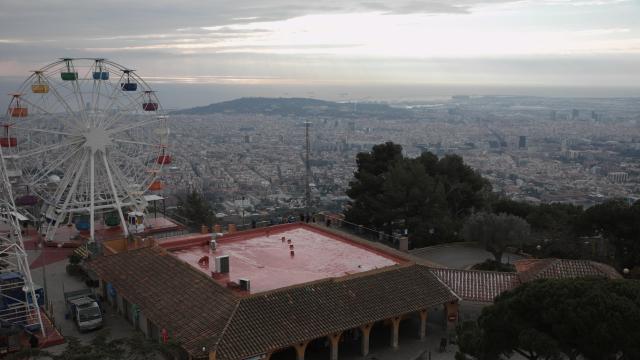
(618, 177)
(575, 114)
(522, 143)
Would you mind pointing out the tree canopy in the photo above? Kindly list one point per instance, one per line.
(195, 210)
(595, 319)
(619, 222)
(496, 231)
(427, 195)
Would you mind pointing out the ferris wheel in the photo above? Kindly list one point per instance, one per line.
(88, 137)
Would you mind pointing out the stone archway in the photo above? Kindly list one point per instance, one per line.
(288, 353)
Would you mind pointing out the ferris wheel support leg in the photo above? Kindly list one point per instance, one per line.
(92, 195)
(15, 235)
(115, 194)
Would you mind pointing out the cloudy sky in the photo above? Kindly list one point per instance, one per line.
(217, 49)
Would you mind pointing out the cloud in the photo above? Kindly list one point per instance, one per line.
(70, 18)
(290, 41)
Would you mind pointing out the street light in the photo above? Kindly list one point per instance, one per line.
(242, 212)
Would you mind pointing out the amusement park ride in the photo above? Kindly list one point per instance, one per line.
(82, 141)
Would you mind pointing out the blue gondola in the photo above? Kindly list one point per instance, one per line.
(129, 86)
(100, 75)
(82, 226)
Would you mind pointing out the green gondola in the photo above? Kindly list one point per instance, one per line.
(112, 220)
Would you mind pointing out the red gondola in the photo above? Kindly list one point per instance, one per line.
(164, 159)
(16, 109)
(149, 104)
(156, 185)
(8, 142)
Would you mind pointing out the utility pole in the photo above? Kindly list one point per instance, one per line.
(308, 170)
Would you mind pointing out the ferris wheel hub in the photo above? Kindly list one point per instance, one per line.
(97, 139)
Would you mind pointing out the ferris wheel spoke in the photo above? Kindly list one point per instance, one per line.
(81, 104)
(38, 107)
(115, 193)
(53, 165)
(64, 185)
(132, 163)
(135, 142)
(132, 101)
(54, 132)
(64, 103)
(49, 148)
(76, 179)
(136, 125)
(113, 96)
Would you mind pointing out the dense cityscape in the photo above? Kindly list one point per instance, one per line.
(578, 151)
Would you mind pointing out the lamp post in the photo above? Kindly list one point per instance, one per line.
(44, 270)
(242, 212)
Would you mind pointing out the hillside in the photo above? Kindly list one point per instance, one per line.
(297, 107)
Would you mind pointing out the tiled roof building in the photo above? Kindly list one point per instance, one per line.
(203, 316)
(162, 293)
(480, 286)
(269, 321)
(171, 293)
(532, 269)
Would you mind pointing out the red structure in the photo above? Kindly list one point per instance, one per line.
(269, 263)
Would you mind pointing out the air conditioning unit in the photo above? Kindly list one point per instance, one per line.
(222, 264)
(245, 284)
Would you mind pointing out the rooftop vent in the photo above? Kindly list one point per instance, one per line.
(222, 264)
(213, 244)
(245, 284)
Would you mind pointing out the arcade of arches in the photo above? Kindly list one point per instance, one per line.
(360, 340)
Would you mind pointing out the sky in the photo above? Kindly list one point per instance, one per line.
(198, 52)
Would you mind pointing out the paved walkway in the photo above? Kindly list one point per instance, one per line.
(459, 256)
(409, 349)
(57, 283)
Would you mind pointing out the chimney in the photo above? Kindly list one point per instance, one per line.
(403, 244)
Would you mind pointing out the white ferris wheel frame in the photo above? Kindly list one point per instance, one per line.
(100, 142)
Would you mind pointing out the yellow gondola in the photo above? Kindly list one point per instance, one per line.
(39, 87)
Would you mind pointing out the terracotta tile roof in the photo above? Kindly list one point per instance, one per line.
(173, 295)
(199, 312)
(275, 319)
(531, 269)
(474, 285)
